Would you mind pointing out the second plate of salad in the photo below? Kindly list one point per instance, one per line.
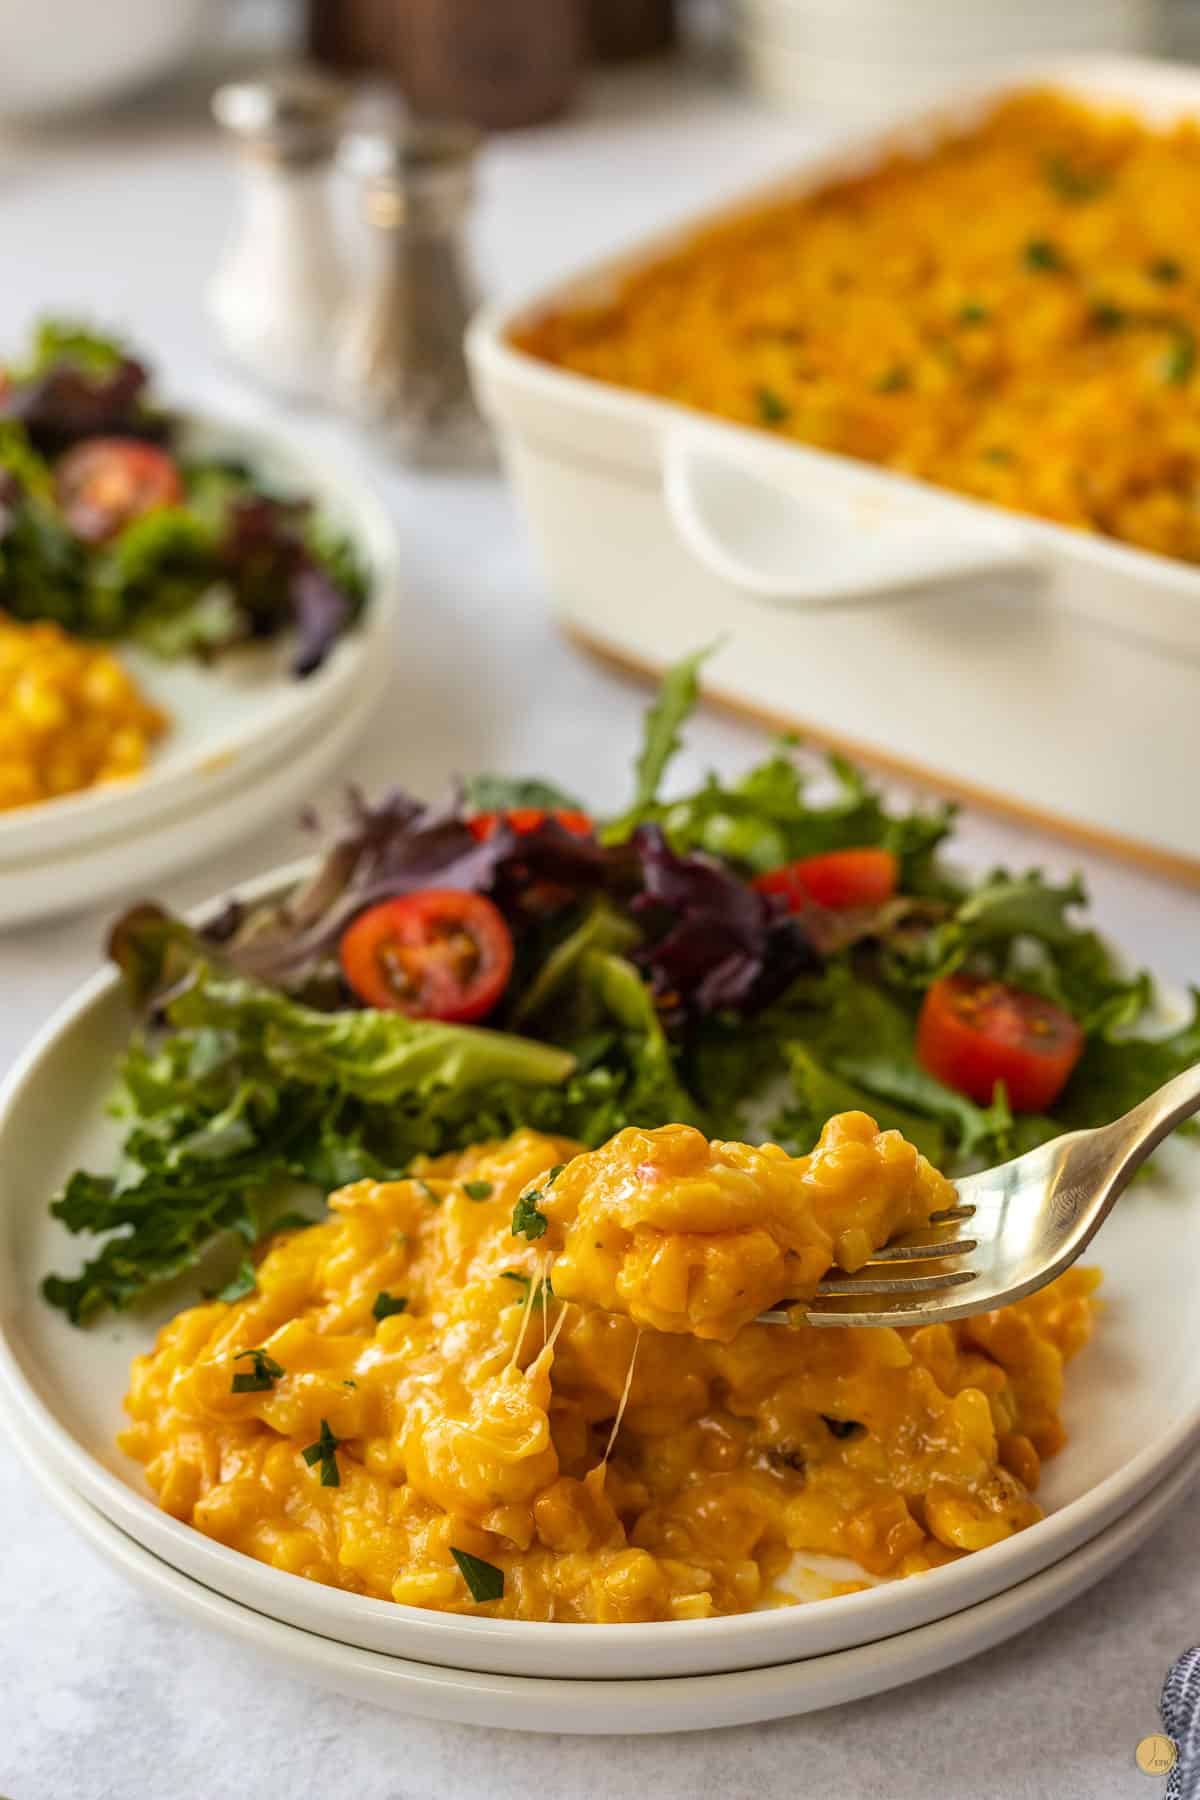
(182, 601)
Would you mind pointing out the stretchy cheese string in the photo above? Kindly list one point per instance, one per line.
(612, 1436)
(559, 1323)
(516, 1349)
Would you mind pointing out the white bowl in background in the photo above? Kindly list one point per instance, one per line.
(59, 55)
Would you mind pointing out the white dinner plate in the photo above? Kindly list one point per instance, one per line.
(694, 1703)
(235, 723)
(1132, 1407)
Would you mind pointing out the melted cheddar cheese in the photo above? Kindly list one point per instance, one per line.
(695, 1237)
(477, 1418)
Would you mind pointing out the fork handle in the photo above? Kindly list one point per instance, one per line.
(1129, 1140)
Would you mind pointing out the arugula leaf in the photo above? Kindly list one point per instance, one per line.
(674, 703)
(1018, 929)
(765, 818)
(501, 793)
(484, 1579)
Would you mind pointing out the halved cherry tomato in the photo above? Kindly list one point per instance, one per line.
(973, 1033)
(105, 482)
(525, 819)
(439, 954)
(839, 878)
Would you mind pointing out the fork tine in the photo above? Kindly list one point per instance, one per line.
(923, 1252)
(844, 1286)
(897, 1315)
(950, 1213)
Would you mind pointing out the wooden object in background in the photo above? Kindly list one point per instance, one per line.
(495, 63)
(618, 29)
(354, 34)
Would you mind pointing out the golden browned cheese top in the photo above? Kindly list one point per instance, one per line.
(1013, 313)
(470, 1409)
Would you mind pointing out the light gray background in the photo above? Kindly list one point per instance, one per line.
(99, 1694)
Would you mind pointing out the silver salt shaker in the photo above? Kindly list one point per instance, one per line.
(400, 365)
(280, 286)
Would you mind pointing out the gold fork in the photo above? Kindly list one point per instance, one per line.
(1030, 1219)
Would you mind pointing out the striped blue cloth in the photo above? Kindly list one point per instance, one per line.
(1180, 1710)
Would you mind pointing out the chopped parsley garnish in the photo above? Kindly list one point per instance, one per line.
(478, 1190)
(324, 1451)
(484, 1579)
(1040, 253)
(527, 1221)
(349, 1384)
(997, 453)
(1107, 317)
(1179, 359)
(433, 1199)
(554, 1174)
(771, 409)
(243, 1283)
(893, 380)
(388, 1305)
(1165, 269)
(1071, 182)
(258, 1380)
(973, 312)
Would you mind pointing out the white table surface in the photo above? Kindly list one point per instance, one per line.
(100, 1695)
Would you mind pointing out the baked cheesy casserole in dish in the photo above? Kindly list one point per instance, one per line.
(1012, 313)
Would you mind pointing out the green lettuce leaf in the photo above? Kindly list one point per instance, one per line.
(1116, 1073)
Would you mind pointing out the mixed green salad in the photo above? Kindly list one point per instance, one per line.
(109, 527)
(750, 957)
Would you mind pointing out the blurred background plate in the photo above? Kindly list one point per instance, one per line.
(58, 55)
(233, 723)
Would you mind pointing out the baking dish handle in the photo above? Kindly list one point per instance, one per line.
(821, 549)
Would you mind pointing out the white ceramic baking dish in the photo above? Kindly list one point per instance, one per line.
(1018, 663)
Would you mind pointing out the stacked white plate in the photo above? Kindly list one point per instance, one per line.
(1132, 1413)
(867, 58)
(246, 741)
